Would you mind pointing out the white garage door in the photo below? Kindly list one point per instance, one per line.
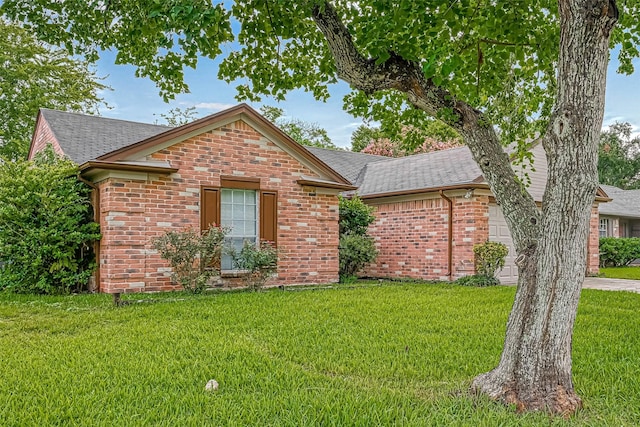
(499, 232)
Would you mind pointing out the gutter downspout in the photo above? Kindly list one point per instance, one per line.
(449, 236)
(95, 195)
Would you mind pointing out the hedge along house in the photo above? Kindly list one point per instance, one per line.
(231, 168)
(431, 209)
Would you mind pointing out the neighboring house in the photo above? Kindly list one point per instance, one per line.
(235, 167)
(621, 216)
(231, 168)
(432, 208)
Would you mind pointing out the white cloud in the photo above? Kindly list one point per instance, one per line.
(215, 106)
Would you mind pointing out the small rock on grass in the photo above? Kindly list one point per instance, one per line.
(212, 385)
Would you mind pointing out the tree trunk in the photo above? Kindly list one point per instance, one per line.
(535, 369)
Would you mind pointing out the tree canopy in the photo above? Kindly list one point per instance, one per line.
(619, 157)
(498, 58)
(35, 75)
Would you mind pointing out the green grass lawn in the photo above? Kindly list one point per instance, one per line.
(621, 272)
(382, 355)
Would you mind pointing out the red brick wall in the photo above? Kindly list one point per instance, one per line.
(43, 136)
(412, 237)
(593, 248)
(134, 211)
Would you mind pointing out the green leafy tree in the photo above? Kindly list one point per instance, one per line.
(46, 231)
(619, 157)
(36, 75)
(305, 133)
(532, 68)
(363, 136)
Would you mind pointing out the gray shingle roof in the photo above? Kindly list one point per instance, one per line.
(83, 137)
(625, 203)
(422, 171)
(346, 163)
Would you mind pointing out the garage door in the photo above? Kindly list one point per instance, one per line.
(499, 232)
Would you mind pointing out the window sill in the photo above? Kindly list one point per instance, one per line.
(229, 274)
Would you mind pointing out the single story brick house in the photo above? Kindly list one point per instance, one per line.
(432, 208)
(236, 168)
(231, 168)
(621, 216)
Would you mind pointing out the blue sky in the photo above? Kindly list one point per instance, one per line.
(138, 99)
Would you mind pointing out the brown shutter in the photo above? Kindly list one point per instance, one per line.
(269, 216)
(210, 208)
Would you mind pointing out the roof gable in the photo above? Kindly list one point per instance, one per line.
(624, 203)
(242, 112)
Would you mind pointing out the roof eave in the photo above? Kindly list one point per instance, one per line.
(93, 165)
(464, 186)
(322, 184)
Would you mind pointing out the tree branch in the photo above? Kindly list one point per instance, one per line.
(406, 76)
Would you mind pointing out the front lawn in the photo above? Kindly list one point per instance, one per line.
(382, 355)
(621, 272)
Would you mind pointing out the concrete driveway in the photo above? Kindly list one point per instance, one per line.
(612, 284)
(605, 284)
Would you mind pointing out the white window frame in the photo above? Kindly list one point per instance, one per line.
(240, 230)
(603, 228)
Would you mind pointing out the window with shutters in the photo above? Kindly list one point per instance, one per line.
(249, 213)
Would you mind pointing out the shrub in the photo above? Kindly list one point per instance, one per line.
(259, 263)
(489, 258)
(618, 252)
(355, 216)
(355, 252)
(194, 257)
(46, 231)
(479, 280)
(356, 248)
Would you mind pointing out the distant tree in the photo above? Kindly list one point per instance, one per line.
(619, 157)
(363, 136)
(177, 116)
(310, 134)
(394, 141)
(36, 75)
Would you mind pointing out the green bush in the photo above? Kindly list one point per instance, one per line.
(193, 256)
(478, 280)
(46, 231)
(259, 263)
(355, 216)
(356, 252)
(489, 258)
(356, 248)
(618, 252)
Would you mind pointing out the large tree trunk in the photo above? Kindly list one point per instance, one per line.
(535, 369)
